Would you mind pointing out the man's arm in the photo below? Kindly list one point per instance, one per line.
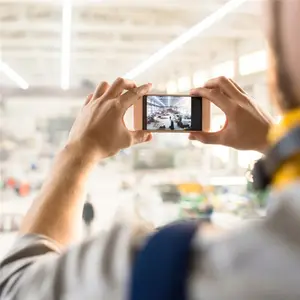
(56, 212)
(98, 132)
(246, 126)
(96, 269)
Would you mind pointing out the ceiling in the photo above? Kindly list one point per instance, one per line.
(166, 101)
(111, 37)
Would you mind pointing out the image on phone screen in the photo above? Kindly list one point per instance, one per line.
(168, 112)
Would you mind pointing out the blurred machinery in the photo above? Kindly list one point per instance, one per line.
(195, 201)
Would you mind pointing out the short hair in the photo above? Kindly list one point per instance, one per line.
(286, 94)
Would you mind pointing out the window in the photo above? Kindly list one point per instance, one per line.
(171, 87)
(184, 83)
(199, 78)
(246, 158)
(253, 63)
(224, 69)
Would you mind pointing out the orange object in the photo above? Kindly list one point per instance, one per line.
(24, 190)
(188, 188)
(11, 182)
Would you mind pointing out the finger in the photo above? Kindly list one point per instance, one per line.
(237, 86)
(118, 87)
(88, 99)
(224, 84)
(140, 136)
(131, 96)
(214, 96)
(100, 90)
(213, 138)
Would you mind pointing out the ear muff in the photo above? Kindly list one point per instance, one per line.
(266, 168)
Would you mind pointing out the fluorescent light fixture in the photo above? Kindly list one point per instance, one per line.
(253, 63)
(158, 100)
(171, 87)
(13, 75)
(185, 37)
(66, 44)
(184, 84)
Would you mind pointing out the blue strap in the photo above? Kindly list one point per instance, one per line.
(161, 268)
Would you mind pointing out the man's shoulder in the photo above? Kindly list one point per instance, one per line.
(259, 260)
(288, 196)
(280, 228)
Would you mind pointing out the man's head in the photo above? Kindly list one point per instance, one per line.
(283, 30)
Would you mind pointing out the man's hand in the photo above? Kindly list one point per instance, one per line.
(247, 125)
(99, 128)
(98, 132)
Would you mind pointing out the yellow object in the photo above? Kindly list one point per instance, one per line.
(290, 171)
(210, 188)
(188, 188)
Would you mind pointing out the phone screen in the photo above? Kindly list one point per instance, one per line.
(168, 113)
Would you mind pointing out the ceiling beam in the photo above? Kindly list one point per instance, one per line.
(213, 37)
(43, 91)
(88, 45)
(19, 56)
(55, 27)
(117, 29)
(37, 93)
(191, 6)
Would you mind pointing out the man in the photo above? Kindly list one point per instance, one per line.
(88, 215)
(52, 222)
(259, 262)
(171, 124)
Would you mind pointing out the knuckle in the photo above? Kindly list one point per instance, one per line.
(104, 83)
(222, 79)
(135, 91)
(117, 105)
(214, 92)
(235, 110)
(120, 80)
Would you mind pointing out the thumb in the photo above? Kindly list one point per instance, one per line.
(213, 138)
(132, 95)
(140, 136)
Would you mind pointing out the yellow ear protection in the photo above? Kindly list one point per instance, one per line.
(281, 165)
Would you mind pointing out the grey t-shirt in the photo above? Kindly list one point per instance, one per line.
(260, 261)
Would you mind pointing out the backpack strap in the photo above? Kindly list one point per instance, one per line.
(161, 267)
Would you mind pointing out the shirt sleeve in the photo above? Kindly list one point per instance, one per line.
(96, 269)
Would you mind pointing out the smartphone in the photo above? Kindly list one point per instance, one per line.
(172, 113)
